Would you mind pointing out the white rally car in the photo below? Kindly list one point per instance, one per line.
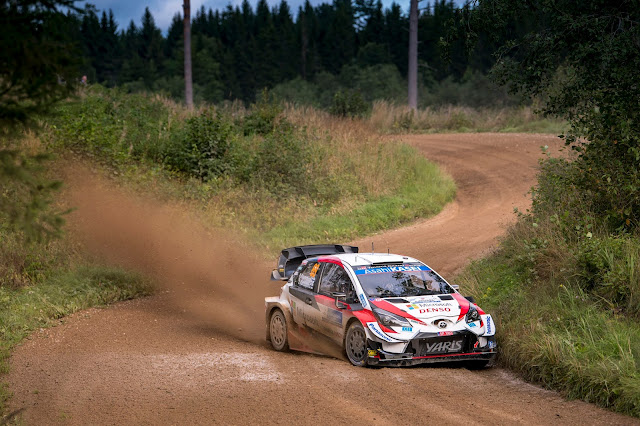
(383, 309)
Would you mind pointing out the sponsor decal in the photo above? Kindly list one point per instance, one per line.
(309, 319)
(434, 310)
(427, 300)
(472, 324)
(314, 270)
(455, 346)
(427, 305)
(489, 325)
(375, 329)
(409, 329)
(334, 316)
(492, 344)
(363, 300)
(390, 269)
(445, 333)
(372, 352)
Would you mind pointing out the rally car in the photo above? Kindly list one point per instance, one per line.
(382, 309)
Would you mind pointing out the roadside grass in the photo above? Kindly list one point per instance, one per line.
(395, 119)
(423, 195)
(557, 327)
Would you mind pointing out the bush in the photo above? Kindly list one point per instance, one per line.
(282, 163)
(202, 147)
(609, 268)
(264, 116)
(348, 103)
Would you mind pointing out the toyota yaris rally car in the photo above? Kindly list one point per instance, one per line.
(382, 309)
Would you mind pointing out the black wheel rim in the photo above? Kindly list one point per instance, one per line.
(357, 345)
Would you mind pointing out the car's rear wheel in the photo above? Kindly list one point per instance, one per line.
(278, 331)
(355, 344)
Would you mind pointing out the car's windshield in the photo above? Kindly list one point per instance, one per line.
(401, 281)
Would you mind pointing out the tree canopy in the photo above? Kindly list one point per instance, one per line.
(238, 51)
(583, 60)
(38, 67)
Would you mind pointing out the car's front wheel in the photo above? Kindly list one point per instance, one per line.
(278, 331)
(355, 344)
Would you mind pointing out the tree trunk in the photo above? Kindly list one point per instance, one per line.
(412, 74)
(188, 84)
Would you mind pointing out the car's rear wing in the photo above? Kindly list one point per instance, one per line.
(292, 257)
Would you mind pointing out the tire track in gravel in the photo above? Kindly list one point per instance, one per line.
(175, 358)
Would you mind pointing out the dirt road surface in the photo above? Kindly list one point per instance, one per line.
(177, 358)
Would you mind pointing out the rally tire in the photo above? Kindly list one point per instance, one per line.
(278, 333)
(355, 345)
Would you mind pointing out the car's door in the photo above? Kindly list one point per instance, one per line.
(303, 302)
(334, 280)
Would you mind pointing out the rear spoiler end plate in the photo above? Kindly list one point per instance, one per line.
(292, 257)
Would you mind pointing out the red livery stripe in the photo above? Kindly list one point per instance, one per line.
(464, 305)
(447, 355)
(331, 259)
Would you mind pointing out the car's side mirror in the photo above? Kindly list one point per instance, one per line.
(455, 286)
(339, 303)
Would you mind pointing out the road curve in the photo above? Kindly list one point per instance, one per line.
(176, 358)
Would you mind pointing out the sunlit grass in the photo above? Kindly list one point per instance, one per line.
(391, 118)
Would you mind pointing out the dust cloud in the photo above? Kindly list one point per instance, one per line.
(212, 275)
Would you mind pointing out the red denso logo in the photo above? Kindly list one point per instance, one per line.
(434, 310)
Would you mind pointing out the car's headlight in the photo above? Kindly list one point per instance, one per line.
(388, 319)
(472, 315)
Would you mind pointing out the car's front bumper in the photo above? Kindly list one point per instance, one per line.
(471, 348)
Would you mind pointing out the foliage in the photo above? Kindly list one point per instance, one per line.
(203, 151)
(27, 194)
(565, 284)
(254, 169)
(348, 103)
(264, 116)
(37, 69)
(37, 60)
(588, 75)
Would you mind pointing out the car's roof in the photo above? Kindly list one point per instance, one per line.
(364, 259)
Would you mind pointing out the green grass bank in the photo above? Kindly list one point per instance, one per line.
(565, 290)
(281, 176)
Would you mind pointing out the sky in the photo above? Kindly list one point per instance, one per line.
(163, 10)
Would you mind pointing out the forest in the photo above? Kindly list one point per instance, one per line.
(305, 56)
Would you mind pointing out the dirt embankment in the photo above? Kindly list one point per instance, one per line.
(194, 352)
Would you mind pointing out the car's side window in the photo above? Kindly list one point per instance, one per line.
(308, 275)
(336, 280)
